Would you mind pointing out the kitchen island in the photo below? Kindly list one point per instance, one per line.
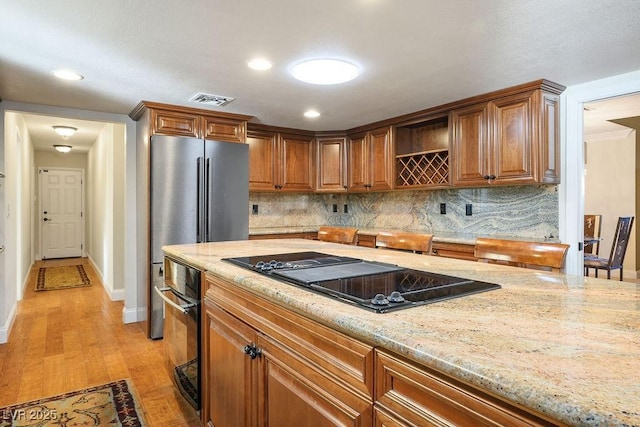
(565, 347)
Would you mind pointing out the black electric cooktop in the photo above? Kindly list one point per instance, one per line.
(372, 285)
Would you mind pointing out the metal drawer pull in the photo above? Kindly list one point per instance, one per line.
(182, 308)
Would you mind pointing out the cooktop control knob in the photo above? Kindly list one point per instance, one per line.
(395, 296)
(380, 299)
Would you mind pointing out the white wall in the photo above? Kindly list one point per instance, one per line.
(18, 215)
(105, 204)
(610, 187)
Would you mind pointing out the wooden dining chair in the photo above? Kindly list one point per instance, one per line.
(592, 229)
(344, 235)
(536, 255)
(415, 242)
(618, 250)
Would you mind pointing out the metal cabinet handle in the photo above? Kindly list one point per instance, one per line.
(184, 309)
(252, 351)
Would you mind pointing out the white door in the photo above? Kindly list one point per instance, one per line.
(61, 213)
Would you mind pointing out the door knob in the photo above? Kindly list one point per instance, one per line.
(45, 212)
(46, 219)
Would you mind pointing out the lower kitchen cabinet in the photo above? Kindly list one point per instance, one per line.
(411, 395)
(454, 250)
(267, 366)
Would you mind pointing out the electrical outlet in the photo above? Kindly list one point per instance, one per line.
(335, 207)
(468, 209)
(443, 208)
(346, 209)
(254, 209)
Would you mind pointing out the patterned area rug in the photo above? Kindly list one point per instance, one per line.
(72, 276)
(186, 376)
(112, 405)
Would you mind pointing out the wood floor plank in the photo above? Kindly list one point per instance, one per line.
(64, 340)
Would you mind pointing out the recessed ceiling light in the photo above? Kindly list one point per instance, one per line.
(67, 75)
(259, 64)
(325, 71)
(312, 114)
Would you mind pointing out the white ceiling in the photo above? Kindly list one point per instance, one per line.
(414, 54)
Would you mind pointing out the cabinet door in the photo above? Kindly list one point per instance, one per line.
(224, 129)
(381, 159)
(357, 163)
(470, 145)
(293, 393)
(331, 164)
(229, 386)
(175, 123)
(262, 161)
(549, 139)
(512, 139)
(296, 169)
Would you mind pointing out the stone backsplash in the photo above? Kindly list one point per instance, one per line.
(524, 211)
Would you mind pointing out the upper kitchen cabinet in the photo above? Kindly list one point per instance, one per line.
(509, 137)
(370, 160)
(422, 153)
(331, 163)
(175, 120)
(280, 159)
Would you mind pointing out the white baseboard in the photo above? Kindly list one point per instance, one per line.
(133, 315)
(6, 329)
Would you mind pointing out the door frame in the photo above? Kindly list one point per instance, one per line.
(571, 191)
(82, 207)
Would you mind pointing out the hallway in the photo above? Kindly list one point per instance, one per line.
(70, 339)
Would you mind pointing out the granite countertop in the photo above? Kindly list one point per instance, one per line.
(565, 346)
(438, 236)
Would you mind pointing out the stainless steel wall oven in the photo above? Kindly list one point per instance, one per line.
(181, 294)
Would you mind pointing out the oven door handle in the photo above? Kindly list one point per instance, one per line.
(182, 308)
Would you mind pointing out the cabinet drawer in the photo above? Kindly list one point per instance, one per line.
(344, 359)
(174, 123)
(425, 397)
(454, 250)
(367, 240)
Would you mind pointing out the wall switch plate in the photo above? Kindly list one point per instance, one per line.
(346, 209)
(254, 209)
(443, 208)
(335, 207)
(468, 209)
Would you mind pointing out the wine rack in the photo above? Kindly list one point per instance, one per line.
(427, 168)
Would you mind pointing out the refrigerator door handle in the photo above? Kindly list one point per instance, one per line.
(199, 202)
(207, 183)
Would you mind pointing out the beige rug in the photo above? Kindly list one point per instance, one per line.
(114, 405)
(72, 276)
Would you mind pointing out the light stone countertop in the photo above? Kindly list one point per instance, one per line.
(565, 346)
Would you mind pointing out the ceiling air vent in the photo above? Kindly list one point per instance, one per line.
(215, 100)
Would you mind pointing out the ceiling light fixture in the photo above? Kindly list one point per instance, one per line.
(67, 75)
(65, 131)
(62, 148)
(312, 114)
(325, 71)
(259, 64)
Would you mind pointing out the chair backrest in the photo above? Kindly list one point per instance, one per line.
(416, 242)
(343, 235)
(620, 241)
(592, 228)
(539, 255)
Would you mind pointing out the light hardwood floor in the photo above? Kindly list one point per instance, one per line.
(64, 340)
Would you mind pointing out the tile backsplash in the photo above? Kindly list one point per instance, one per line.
(524, 211)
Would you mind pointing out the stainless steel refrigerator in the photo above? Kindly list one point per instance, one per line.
(199, 193)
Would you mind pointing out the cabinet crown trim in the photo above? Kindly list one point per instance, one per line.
(139, 110)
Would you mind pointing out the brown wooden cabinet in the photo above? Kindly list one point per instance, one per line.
(411, 395)
(280, 161)
(371, 160)
(309, 235)
(454, 250)
(265, 365)
(164, 119)
(331, 164)
(508, 140)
